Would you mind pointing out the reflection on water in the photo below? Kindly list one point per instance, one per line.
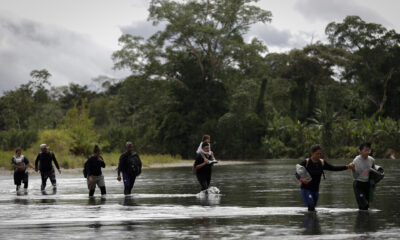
(364, 222)
(129, 201)
(311, 224)
(261, 202)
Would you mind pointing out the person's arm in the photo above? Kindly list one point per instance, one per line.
(101, 161)
(88, 167)
(212, 155)
(55, 162)
(27, 163)
(140, 164)
(330, 167)
(121, 159)
(36, 162)
(203, 156)
(199, 165)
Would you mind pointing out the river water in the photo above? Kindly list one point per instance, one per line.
(256, 201)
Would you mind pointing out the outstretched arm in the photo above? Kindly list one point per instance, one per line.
(55, 162)
(37, 162)
(330, 167)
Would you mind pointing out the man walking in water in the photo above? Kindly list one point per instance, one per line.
(45, 158)
(315, 166)
(131, 166)
(362, 164)
(202, 167)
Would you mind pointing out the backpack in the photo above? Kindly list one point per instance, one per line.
(134, 164)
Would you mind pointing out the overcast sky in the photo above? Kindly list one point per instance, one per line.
(74, 39)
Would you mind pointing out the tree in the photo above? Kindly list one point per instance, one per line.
(201, 45)
(80, 129)
(375, 62)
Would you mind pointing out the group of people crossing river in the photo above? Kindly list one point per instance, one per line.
(308, 172)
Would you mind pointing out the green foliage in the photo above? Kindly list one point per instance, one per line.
(79, 128)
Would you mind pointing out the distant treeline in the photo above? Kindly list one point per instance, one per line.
(199, 76)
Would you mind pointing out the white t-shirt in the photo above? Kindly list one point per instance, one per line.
(362, 167)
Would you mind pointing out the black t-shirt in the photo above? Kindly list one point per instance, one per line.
(45, 159)
(316, 170)
(205, 170)
(93, 166)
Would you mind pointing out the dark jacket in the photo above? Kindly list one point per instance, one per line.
(125, 166)
(93, 166)
(205, 170)
(45, 160)
(316, 170)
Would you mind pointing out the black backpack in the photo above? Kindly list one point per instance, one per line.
(134, 164)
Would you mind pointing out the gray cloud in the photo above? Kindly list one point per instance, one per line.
(142, 28)
(336, 10)
(280, 40)
(271, 35)
(70, 57)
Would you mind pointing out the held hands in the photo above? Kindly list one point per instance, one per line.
(351, 166)
(59, 170)
(119, 178)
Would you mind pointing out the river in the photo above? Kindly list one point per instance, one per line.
(256, 201)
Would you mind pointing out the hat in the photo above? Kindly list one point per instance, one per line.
(42, 146)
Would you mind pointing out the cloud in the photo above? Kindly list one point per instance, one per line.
(27, 45)
(142, 28)
(281, 40)
(336, 10)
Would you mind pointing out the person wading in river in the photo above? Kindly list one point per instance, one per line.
(315, 166)
(94, 175)
(361, 185)
(202, 167)
(45, 158)
(131, 166)
(20, 164)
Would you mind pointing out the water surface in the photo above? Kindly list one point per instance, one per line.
(258, 201)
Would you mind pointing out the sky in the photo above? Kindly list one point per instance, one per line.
(74, 39)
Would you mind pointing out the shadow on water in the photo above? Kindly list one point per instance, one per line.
(130, 226)
(52, 192)
(311, 224)
(95, 226)
(95, 201)
(206, 225)
(129, 201)
(22, 201)
(364, 222)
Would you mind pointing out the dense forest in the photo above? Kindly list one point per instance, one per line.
(199, 76)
